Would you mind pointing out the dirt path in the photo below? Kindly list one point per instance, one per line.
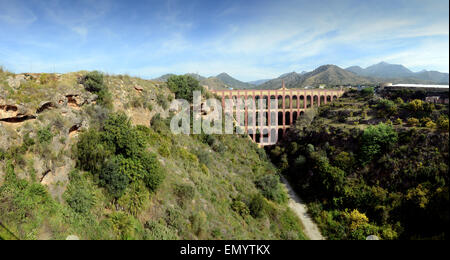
(295, 203)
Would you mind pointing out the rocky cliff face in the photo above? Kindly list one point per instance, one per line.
(30, 103)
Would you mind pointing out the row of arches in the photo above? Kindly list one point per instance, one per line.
(274, 118)
(285, 102)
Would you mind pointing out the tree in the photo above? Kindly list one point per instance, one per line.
(367, 92)
(91, 151)
(376, 140)
(120, 136)
(113, 178)
(386, 108)
(154, 174)
(183, 86)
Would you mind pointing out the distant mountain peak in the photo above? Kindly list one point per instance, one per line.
(394, 72)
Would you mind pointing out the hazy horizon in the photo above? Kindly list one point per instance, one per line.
(249, 40)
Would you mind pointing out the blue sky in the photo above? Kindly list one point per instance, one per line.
(249, 39)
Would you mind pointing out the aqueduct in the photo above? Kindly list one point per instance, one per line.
(274, 110)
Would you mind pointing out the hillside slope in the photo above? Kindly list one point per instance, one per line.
(366, 166)
(213, 186)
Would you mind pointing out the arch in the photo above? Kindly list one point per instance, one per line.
(287, 118)
(273, 136)
(294, 117)
(328, 98)
(280, 118)
(287, 101)
(280, 133)
(280, 101)
(265, 101)
(308, 101)
(315, 100)
(265, 118)
(302, 101)
(257, 99)
(335, 97)
(302, 113)
(249, 104)
(322, 100)
(294, 101)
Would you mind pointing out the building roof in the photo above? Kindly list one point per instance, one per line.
(417, 86)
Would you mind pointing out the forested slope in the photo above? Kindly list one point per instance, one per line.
(372, 166)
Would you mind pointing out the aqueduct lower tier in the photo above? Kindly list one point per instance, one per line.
(290, 104)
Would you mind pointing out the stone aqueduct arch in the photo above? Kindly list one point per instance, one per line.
(292, 105)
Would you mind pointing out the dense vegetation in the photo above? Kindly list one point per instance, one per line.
(372, 166)
(183, 86)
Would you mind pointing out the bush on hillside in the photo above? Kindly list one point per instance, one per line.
(117, 155)
(367, 92)
(113, 178)
(93, 82)
(270, 187)
(376, 140)
(183, 86)
(257, 206)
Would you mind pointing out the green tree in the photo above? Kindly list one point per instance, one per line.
(376, 140)
(120, 136)
(154, 174)
(367, 92)
(113, 178)
(183, 86)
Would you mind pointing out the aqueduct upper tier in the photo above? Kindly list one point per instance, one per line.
(292, 104)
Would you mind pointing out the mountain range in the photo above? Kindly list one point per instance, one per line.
(395, 71)
(329, 75)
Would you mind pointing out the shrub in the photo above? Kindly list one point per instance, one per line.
(344, 160)
(113, 179)
(240, 207)
(44, 135)
(413, 121)
(185, 193)
(183, 86)
(257, 206)
(416, 105)
(93, 82)
(443, 123)
(154, 174)
(386, 107)
(377, 139)
(134, 198)
(157, 231)
(399, 101)
(162, 101)
(367, 92)
(2, 154)
(91, 152)
(270, 187)
(398, 121)
(78, 195)
(120, 136)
